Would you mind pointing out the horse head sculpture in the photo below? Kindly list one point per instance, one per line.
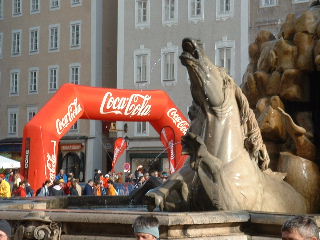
(228, 166)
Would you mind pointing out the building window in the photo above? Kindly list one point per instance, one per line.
(1, 44)
(268, 3)
(142, 67)
(34, 6)
(1, 9)
(75, 35)
(169, 56)
(224, 9)
(53, 72)
(75, 3)
(195, 10)
(34, 40)
(169, 12)
(54, 38)
(141, 129)
(33, 80)
(75, 73)
(16, 7)
(75, 127)
(13, 114)
(31, 112)
(54, 4)
(225, 55)
(16, 42)
(14, 82)
(300, 1)
(142, 13)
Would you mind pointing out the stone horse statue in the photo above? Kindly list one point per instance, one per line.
(228, 165)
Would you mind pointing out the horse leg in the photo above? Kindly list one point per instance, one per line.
(177, 182)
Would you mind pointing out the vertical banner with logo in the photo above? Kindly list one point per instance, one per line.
(120, 145)
(167, 139)
(27, 158)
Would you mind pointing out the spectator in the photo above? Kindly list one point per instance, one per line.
(5, 230)
(30, 191)
(164, 176)
(155, 173)
(62, 175)
(146, 176)
(140, 182)
(129, 178)
(44, 192)
(300, 228)
(146, 228)
(88, 188)
(111, 189)
(98, 189)
(138, 171)
(97, 176)
(17, 179)
(21, 190)
(57, 189)
(5, 190)
(73, 188)
(78, 187)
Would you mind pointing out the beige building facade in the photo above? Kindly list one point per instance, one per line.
(44, 44)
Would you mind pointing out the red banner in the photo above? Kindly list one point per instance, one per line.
(167, 139)
(120, 145)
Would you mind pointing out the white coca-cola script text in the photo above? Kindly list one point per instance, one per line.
(135, 105)
(183, 125)
(74, 109)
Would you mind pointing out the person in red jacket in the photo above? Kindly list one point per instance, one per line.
(21, 190)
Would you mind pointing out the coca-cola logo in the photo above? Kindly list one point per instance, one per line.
(52, 162)
(183, 125)
(135, 105)
(74, 109)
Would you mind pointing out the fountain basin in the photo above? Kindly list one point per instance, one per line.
(115, 223)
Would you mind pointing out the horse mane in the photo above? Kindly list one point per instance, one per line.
(253, 141)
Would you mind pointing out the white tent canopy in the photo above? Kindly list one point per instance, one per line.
(8, 163)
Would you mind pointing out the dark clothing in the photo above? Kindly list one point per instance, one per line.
(57, 191)
(88, 190)
(30, 191)
(96, 177)
(73, 191)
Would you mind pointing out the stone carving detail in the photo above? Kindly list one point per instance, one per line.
(277, 87)
(228, 167)
(36, 225)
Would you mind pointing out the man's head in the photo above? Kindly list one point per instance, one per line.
(300, 228)
(5, 230)
(146, 228)
(90, 182)
(61, 171)
(2, 176)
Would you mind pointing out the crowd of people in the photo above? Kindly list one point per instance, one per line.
(12, 184)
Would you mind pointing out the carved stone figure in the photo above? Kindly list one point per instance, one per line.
(228, 166)
(287, 74)
(35, 225)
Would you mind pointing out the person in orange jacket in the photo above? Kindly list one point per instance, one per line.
(111, 190)
(97, 189)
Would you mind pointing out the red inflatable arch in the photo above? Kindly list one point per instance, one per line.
(72, 102)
